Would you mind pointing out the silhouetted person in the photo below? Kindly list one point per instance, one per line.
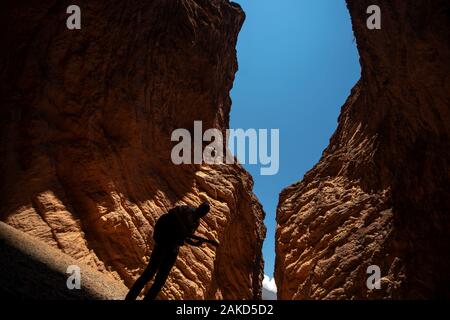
(172, 230)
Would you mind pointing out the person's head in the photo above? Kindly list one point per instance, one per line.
(202, 210)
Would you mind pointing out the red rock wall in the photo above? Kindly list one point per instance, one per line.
(86, 119)
(31, 269)
(380, 193)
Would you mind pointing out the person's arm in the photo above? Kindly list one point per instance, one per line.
(193, 236)
(194, 243)
(202, 240)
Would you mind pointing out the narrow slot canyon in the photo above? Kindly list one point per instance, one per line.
(85, 154)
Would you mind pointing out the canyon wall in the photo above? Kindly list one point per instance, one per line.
(86, 122)
(32, 269)
(380, 194)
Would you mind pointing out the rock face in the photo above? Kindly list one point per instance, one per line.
(31, 269)
(86, 122)
(380, 195)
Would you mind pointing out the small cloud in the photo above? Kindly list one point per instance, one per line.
(269, 291)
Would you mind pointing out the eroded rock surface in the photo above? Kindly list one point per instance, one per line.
(32, 269)
(380, 193)
(86, 121)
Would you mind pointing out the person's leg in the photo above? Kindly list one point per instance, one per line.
(166, 265)
(147, 275)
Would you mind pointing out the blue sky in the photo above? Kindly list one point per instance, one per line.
(297, 64)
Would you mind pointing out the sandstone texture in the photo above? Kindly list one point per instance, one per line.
(32, 269)
(86, 118)
(380, 194)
